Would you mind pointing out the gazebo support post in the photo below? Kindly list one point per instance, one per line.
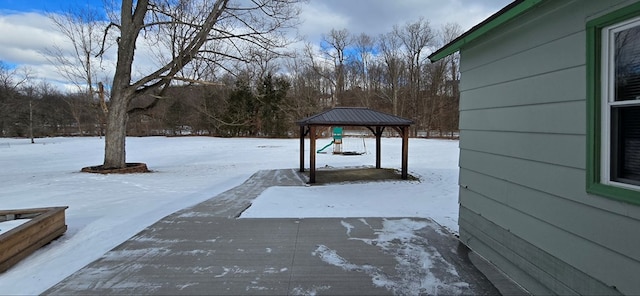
(405, 152)
(378, 135)
(312, 154)
(302, 134)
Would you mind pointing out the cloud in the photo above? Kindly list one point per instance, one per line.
(375, 17)
(29, 40)
(317, 17)
(26, 35)
(24, 39)
(467, 13)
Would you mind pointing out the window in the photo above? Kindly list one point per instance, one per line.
(613, 133)
(620, 152)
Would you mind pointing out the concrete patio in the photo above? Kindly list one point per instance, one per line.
(206, 250)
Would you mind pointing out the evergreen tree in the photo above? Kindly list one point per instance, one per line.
(241, 110)
(273, 112)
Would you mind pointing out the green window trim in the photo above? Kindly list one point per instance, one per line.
(594, 54)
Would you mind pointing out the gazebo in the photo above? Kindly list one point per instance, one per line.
(373, 120)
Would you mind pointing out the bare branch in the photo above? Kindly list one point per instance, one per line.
(104, 38)
(198, 81)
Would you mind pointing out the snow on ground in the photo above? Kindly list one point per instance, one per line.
(5, 226)
(105, 210)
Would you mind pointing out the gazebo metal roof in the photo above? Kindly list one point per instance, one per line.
(373, 120)
(354, 116)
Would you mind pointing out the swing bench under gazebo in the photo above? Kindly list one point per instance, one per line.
(373, 120)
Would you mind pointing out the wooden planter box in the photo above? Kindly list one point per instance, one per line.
(46, 224)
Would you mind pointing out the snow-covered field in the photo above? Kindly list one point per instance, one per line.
(105, 210)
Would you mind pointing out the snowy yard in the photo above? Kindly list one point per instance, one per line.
(105, 210)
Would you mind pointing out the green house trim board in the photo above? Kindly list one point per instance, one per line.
(594, 100)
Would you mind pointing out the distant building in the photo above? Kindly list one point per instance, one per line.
(550, 144)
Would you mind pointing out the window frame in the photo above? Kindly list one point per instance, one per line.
(598, 123)
(608, 99)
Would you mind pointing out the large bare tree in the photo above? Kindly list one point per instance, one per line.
(209, 31)
(334, 46)
(76, 61)
(415, 37)
(444, 85)
(364, 45)
(12, 80)
(391, 49)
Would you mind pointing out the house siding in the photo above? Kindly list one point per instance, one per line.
(523, 200)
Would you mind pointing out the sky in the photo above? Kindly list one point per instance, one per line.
(26, 32)
(42, 5)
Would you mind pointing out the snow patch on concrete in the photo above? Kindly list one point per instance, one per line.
(419, 265)
(309, 291)
(348, 227)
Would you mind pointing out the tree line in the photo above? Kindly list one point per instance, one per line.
(261, 95)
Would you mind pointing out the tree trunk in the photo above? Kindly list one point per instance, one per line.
(31, 121)
(114, 139)
(121, 91)
(394, 100)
